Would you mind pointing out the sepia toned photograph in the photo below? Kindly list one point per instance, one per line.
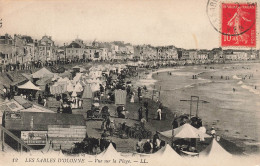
(129, 82)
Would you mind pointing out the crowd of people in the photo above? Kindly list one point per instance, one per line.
(150, 145)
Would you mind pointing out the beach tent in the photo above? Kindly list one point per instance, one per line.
(76, 67)
(185, 131)
(65, 74)
(78, 87)
(58, 88)
(95, 74)
(55, 77)
(42, 73)
(110, 152)
(70, 87)
(74, 94)
(27, 76)
(49, 151)
(120, 97)
(29, 85)
(77, 77)
(95, 87)
(65, 79)
(214, 150)
(87, 93)
(167, 153)
(43, 81)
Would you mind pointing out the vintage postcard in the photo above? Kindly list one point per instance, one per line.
(129, 82)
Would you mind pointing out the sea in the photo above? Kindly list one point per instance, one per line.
(231, 95)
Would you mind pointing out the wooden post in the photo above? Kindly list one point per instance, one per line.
(160, 93)
(3, 140)
(190, 106)
(197, 112)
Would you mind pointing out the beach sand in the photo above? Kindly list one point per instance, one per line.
(235, 115)
(175, 106)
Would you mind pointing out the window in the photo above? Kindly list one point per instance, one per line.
(76, 51)
(68, 51)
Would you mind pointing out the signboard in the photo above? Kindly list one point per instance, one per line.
(13, 115)
(34, 137)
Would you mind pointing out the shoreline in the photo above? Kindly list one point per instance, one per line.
(238, 143)
(164, 125)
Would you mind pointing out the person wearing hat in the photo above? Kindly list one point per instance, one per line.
(143, 122)
(140, 113)
(108, 123)
(104, 134)
(147, 146)
(139, 146)
(155, 137)
(212, 132)
(112, 128)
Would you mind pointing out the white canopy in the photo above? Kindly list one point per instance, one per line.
(78, 87)
(214, 150)
(42, 73)
(76, 67)
(185, 131)
(77, 77)
(110, 152)
(95, 87)
(65, 79)
(29, 85)
(74, 94)
(168, 153)
(70, 87)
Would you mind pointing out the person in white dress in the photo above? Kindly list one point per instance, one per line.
(159, 112)
(132, 98)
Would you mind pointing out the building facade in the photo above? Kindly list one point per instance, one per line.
(6, 49)
(46, 49)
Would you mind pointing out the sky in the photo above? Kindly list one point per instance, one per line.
(183, 23)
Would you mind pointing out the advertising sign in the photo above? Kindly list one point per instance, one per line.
(34, 137)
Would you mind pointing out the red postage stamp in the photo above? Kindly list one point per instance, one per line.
(238, 24)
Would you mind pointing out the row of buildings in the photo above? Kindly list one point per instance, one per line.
(22, 49)
(173, 53)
